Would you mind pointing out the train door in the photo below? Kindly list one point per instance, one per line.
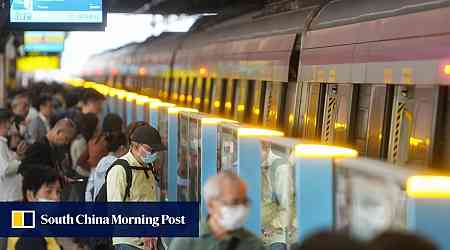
(218, 96)
(240, 100)
(288, 120)
(182, 91)
(372, 119)
(413, 124)
(311, 110)
(190, 91)
(337, 117)
(441, 156)
(230, 93)
(273, 104)
(166, 92)
(198, 86)
(147, 86)
(207, 94)
(255, 101)
(174, 88)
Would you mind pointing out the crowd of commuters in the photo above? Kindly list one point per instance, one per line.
(58, 145)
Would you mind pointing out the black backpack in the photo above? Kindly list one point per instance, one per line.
(102, 195)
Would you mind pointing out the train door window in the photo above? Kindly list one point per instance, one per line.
(274, 103)
(240, 100)
(218, 92)
(230, 98)
(256, 105)
(413, 125)
(207, 94)
(312, 110)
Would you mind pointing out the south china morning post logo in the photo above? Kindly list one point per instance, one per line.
(162, 219)
(23, 219)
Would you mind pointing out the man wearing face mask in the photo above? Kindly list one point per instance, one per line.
(40, 184)
(228, 206)
(145, 145)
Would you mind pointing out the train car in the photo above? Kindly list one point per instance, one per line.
(370, 75)
(373, 76)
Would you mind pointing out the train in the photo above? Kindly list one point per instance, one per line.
(371, 75)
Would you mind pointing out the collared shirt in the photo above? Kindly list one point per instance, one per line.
(97, 177)
(244, 240)
(45, 120)
(10, 180)
(37, 128)
(143, 189)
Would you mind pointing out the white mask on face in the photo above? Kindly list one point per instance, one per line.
(233, 217)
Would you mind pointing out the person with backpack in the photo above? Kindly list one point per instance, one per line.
(132, 178)
(117, 147)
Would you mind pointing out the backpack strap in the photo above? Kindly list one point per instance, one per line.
(128, 173)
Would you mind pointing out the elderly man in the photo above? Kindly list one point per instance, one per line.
(43, 151)
(226, 198)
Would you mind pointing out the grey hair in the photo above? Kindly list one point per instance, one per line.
(212, 188)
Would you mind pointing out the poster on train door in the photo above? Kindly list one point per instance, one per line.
(163, 131)
(194, 158)
(367, 204)
(278, 211)
(227, 149)
(183, 158)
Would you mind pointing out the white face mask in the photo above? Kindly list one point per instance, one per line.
(233, 217)
(45, 200)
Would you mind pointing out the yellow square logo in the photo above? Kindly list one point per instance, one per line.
(22, 219)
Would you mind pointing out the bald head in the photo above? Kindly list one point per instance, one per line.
(227, 186)
(62, 133)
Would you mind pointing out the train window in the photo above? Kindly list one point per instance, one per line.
(240, 100)
(274, 102)
(256, 105)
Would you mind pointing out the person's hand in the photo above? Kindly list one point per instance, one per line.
(21, 150)
(150, 243)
